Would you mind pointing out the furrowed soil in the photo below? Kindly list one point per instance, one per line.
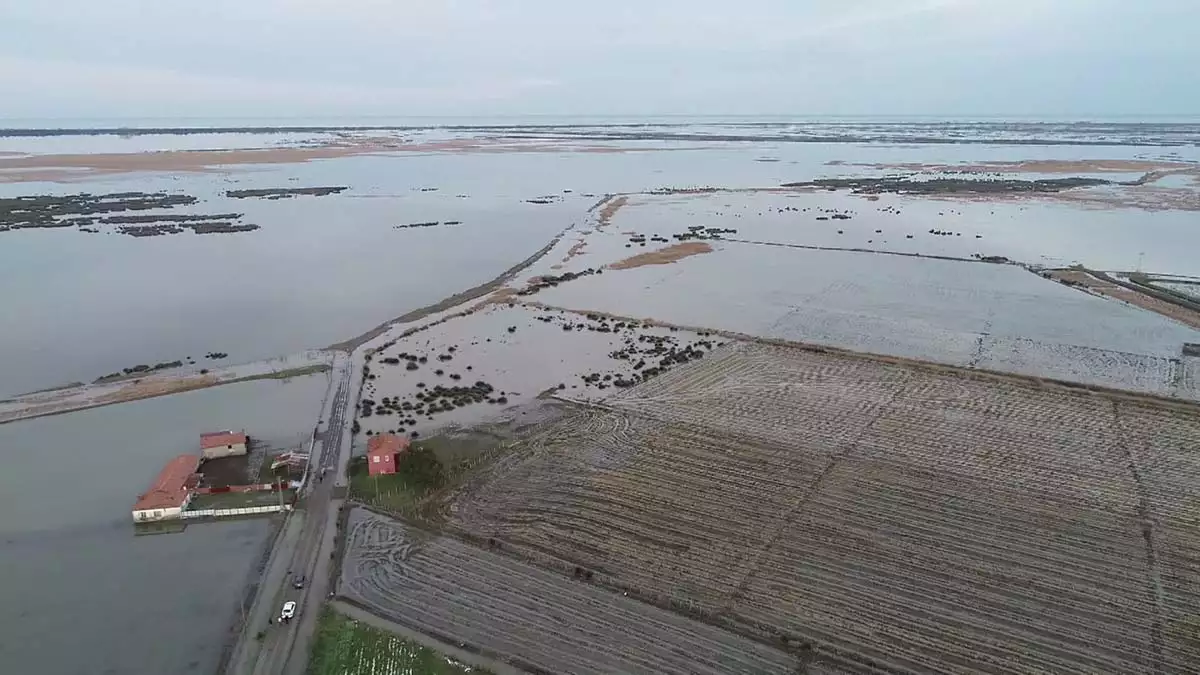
(900, 518)
(537, 620)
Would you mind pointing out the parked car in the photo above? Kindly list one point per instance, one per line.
(298, 582)
(289, 610)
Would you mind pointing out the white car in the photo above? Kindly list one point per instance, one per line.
(289, 610)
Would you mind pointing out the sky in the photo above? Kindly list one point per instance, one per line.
(306, 58)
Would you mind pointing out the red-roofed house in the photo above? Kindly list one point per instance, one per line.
(170, 492)
(222, 444)
(382, 453)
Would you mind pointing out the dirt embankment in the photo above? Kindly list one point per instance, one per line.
(1092, 284)
(61, 401)
(663, 255)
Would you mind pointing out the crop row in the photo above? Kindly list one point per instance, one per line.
(536, 619)
(917, 519)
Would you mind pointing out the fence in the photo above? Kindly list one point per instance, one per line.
(245, 511)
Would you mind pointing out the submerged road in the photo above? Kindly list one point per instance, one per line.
(304, 547)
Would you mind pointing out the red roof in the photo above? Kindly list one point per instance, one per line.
(169, 488)
(219, 439)
(386, 444)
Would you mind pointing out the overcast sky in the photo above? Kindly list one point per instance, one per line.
(296, 58)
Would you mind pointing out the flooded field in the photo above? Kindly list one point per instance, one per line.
(73, 563)
(428, 212)
(1034, 232)
(640, 268)
(974, 314)
(496, 359)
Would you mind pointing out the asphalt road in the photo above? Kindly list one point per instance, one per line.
(305, 546)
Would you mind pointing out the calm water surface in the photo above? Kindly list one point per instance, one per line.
(80, 593)
(323, 269)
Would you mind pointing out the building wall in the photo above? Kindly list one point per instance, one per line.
(152, 515)
(224, 451)
(171, 513)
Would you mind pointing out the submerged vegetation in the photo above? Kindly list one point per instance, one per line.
(34, 211)
(935, 186)
(285, 193)
(84, 211)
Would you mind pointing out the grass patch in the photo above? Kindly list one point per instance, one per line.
(344, 646)
(418, 473)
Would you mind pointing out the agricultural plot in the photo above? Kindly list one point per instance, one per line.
(539, 621)
(347, 647)
(902, 519)
(1056, 233)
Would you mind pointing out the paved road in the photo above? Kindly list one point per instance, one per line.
(305, 545)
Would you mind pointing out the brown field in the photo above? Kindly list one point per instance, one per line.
(900, 518)
(540, 621)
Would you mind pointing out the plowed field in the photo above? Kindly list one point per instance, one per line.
(538, 620)
(904, 519)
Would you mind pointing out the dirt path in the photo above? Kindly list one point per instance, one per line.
(70, 399)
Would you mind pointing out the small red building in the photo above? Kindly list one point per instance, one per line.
(382, 453)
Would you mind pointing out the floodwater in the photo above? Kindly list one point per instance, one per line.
(1033, 231)
(323, 269)
(522, 352)
(75, 306)
(80, 592)
(999, 317)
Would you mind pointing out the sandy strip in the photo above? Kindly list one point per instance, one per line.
(609, 210)
(70, 167)
(1040, 166)
(663, 256)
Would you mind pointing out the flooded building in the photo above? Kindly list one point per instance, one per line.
(172, 490)
(223, 444)
(383, 452)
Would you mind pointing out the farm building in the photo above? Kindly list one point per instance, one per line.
(382, 452)
(223, 444)
(171, 492)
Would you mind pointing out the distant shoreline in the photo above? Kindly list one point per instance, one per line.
(839, 130)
